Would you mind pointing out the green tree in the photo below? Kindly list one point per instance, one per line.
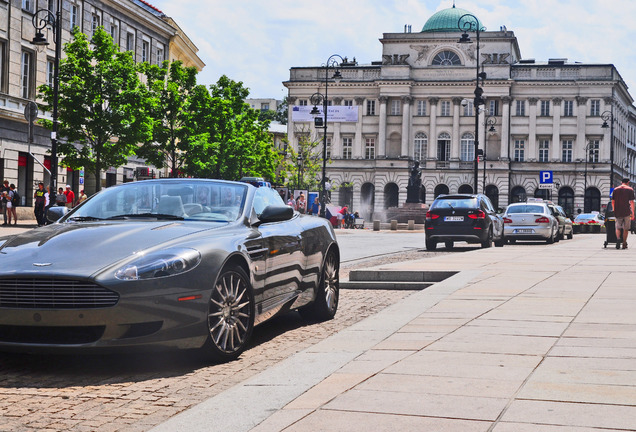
(101, 106)
(304, 163)
(237, 143)
(169, 88)
(281, 111)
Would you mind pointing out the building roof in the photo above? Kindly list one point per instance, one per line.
(150, 8)
(447, 20)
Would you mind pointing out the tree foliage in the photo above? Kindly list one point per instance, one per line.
(101, 104)
(305, 163)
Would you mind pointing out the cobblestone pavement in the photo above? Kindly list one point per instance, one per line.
(136, 392)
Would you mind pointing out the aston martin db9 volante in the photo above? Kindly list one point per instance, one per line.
(172, 263)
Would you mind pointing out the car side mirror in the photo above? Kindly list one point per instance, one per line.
(276, 214)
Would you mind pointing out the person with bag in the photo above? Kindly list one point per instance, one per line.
(4, 190)
(623, 205)
(14, 201)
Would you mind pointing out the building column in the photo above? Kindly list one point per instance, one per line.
(505, 127)
(556, 130)
(382, 128)
(432, 139)
(406, 125)
(454, 153)
(531, 151)
(357, 150)
(336, 141)
(579, 148)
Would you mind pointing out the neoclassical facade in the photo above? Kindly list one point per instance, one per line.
(417, 104)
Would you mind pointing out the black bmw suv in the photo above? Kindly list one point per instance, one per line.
(463, 217)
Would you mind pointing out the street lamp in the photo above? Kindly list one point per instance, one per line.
(608, 116)
(299, 159)
(466, 23)
(590, 145)
(490, 121)
(317, 99)
(41, 19)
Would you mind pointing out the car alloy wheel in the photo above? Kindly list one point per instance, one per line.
(230, 316)
(325, 305)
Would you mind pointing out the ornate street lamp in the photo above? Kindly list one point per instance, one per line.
(42, 19)
(490, 121)
(466, 23)
(317, 99)
(608, 116)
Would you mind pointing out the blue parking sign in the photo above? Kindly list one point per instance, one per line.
(545, 177)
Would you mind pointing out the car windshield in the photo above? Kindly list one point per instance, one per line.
(165, 199)
(525, 208)
(443, 203)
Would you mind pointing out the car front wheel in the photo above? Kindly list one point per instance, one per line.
(230, 315)
(325, 305)
(431, 245)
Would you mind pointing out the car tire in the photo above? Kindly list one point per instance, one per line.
(230, 315)
(488, 242)
(449, 244)
(550, 239)
(571, 235)
(501, 242)
(324, 307)
(431, 245)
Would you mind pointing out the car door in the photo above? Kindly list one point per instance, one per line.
(497, 221)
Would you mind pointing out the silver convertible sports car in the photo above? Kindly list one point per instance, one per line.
(173, 263)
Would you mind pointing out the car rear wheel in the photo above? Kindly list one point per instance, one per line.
(571, 235)
(488, 242)
(501, 241)
(449, 244)
(431, 245)
(230, 315)
(550, 239)
(325, 305)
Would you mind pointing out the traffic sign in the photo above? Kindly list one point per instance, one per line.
(545, 177)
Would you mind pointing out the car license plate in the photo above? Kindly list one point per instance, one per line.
(524, 231)
(454, 218)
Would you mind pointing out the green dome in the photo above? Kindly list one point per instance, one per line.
(446, 21)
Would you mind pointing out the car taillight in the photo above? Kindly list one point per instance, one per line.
(542, 219)
(430, 215)
(507, 220)
(479, 214)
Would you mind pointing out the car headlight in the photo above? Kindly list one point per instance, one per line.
(165, 263)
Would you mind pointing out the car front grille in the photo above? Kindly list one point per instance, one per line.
(54, 294)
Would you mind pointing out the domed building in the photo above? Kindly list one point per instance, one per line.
(540, 130)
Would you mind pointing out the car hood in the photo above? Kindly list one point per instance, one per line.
(81, 249)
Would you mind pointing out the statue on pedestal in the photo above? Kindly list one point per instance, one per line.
(415, 184)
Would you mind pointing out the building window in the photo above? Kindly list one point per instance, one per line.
(145, 50)
(593, 150)
(467, 147)
(446, 109)
(369, 148)
(370, 107)
(348, 102)
(50, 72)
(395, 107)
(302, 102)
(566, 147)
(27, 5)
(161, 58)
(421, 107)
(568, 108)
(520, 108)
(74, 15)
(544, 150)
(114, 32)
(3, 72)
(493, 108)
(420, 146)
(595, 107)
(264, 107)
(94, 23)
(26, 75)
(328, 148)
(443, 146)
(347, 147)
(51, 4)
(545, 108)
(130, 42)
(446, 58)
(519, 155)
(469, 109)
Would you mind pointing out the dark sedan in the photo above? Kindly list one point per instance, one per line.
(463, 217)
(178, 263)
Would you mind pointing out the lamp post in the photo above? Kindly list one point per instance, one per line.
(41, 19)
(588, 147)
(609, 116)
(490, 121)
(466, 23)
(317, 99)
(299, 159)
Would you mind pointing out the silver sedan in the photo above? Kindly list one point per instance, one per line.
(530, 221)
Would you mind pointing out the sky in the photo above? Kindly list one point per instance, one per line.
(257, 42)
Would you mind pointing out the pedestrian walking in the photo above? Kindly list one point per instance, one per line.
(70, 197)
(15, 202)
(4, 191)
(623, 205)
(40, 201)
(82, 197)
(60, 198)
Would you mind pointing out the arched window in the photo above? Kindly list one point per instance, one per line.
(467, 147)
(446, 58)
(465, 189)
(440, 189)
(367, 200)
(420, 146)
(391, 195)
(517, 194)
(492, 192)
(592, 200)
(443, 146)
(542, 193)
(566, 199)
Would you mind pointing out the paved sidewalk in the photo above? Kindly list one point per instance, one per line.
(524, 338)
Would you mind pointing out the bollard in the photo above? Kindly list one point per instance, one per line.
(376, 225)
(393, 225)
(411, 225)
